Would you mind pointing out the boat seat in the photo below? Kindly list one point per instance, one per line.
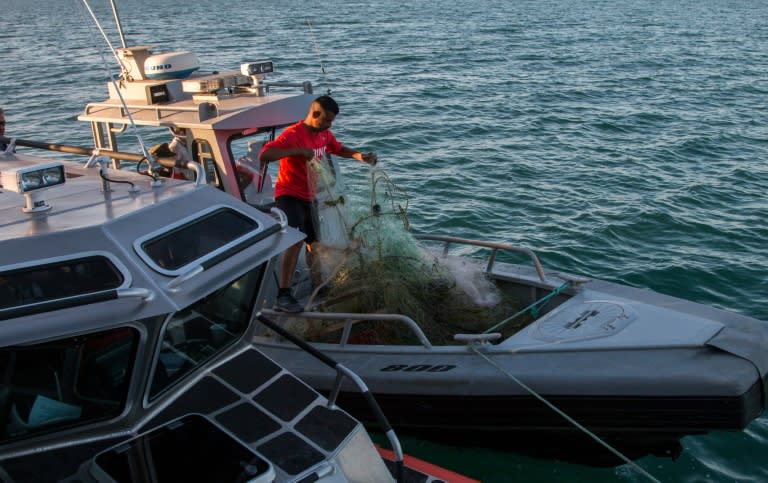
(30, 411)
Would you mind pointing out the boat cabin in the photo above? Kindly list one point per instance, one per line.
(224, 117)
(127, 310)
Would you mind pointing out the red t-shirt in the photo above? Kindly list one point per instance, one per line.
(295, 177)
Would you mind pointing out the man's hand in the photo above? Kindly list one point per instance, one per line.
(370, 158)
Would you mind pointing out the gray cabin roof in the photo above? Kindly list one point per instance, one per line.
(84, 221)
(236, 110)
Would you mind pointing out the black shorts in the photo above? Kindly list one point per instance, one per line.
(300, 215)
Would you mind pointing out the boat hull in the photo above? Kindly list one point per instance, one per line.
(637, 369)
(480, 408)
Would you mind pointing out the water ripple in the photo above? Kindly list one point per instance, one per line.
(623, 140)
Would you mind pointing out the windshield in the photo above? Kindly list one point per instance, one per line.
(255, 180)
(194, 335)
(67, 382)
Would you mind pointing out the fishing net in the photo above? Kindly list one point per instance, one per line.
(367, 261)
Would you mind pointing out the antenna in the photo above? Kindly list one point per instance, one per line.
(319, 59)
(144, 149)
(117, 23)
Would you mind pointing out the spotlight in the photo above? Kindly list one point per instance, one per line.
(31, 181)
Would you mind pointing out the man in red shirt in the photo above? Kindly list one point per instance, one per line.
(296, 184)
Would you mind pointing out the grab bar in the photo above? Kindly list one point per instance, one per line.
(494, 246)
(353, 318)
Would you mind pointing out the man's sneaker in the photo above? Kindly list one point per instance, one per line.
(286, 303)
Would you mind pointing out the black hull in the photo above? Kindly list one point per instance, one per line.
(635, 426)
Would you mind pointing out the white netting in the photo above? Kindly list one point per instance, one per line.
(369, 262)
(331, 224)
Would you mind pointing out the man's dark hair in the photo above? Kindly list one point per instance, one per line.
(328, 104)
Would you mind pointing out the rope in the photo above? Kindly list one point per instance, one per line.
(595, 437)
(533, 308)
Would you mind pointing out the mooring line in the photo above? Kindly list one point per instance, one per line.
(532, 307)
(595, 437)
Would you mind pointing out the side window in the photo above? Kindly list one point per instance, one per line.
(194, 335)
(38, 288)
(68, 382)
(203, 154)
(256, 181)
(192, 240)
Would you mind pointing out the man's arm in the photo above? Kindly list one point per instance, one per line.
(273, 154)
(368, 158)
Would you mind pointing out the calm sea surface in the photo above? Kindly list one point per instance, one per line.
(624, 140)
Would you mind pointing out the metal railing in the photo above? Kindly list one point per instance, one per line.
(92, 109)
(351, 319)
(494, 246)
(65, 148)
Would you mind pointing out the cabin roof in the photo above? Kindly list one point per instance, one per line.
(79, 203)
(237, 111)
(84, 222)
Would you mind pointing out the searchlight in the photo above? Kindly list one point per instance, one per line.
(32, 182)
(257, 71)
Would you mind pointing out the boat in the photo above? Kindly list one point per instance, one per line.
(128, 307)
(127, 315)
(576, 368)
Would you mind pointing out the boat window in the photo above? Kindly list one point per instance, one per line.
(256, 181)
(51, 281)
(68, 382)
(194, 335)
(192, 241)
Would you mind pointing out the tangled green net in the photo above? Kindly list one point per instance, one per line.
(367, 261)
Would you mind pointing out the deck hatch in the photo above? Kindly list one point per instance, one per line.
(203, 239)
(591, 319)
(57, 284)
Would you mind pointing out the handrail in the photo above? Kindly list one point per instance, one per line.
(142, 293)
(495, 246)
(306, 86)
(190, 273)
(91, 108)
(218, 255)
(341, 372)
(66, 148)
(349, 317)
(158, 109)
(78, 300)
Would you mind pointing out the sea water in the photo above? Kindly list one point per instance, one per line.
(623, 140)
